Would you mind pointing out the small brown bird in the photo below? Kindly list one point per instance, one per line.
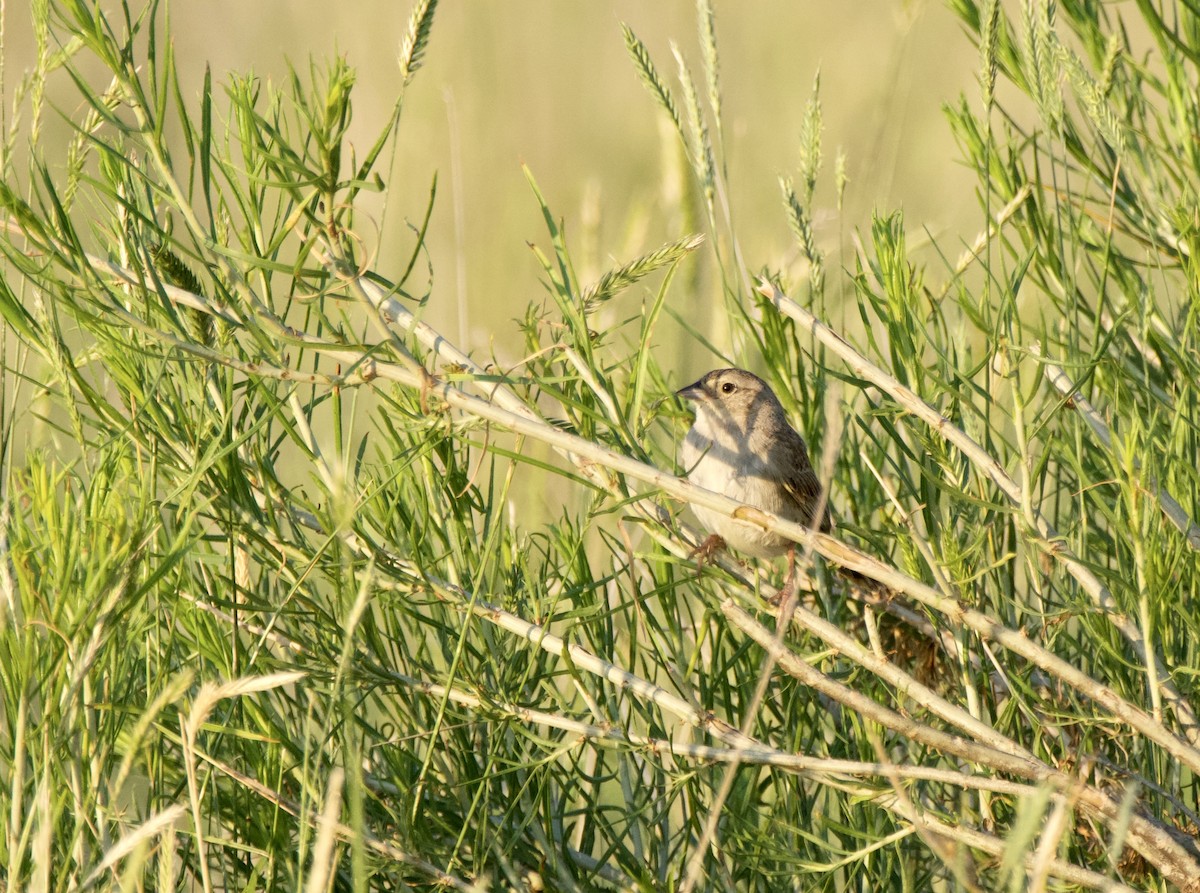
(742, 446)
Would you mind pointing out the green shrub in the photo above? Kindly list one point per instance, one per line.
(299, 594)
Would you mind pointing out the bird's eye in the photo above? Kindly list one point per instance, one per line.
(727, 388)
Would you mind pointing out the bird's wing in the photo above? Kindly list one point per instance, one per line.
(805, 489)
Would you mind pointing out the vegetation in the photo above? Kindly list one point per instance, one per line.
(283, 607)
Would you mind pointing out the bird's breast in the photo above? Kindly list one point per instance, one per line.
(731, 470)
(734, 473)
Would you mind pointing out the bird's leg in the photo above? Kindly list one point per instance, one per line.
(788, 592)
(707, 550)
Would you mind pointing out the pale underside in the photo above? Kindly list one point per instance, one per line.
(747, 481)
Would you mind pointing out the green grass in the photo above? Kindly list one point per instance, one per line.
(299, 594)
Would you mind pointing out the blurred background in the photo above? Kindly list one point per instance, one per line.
(549, 84)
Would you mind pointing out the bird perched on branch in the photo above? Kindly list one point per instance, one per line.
(742, 446)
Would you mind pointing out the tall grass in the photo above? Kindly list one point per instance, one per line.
(299, 595)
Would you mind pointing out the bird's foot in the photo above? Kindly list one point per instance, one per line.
(784, 595)
(707, 550)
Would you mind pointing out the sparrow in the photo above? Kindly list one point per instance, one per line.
(742, 446)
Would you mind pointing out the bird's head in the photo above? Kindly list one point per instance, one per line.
(733, 401)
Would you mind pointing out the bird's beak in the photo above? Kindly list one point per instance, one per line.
(691, 392)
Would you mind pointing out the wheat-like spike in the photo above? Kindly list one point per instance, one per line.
(172, 269)
(701, 145)
(708, 46)
(649, 75)
(1092, 99)
(801, 226)
(175, 272)
(989, 44)
(624, 276)
(416, 39)
(1112, 55)
(810, 140)
(1041, 47)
